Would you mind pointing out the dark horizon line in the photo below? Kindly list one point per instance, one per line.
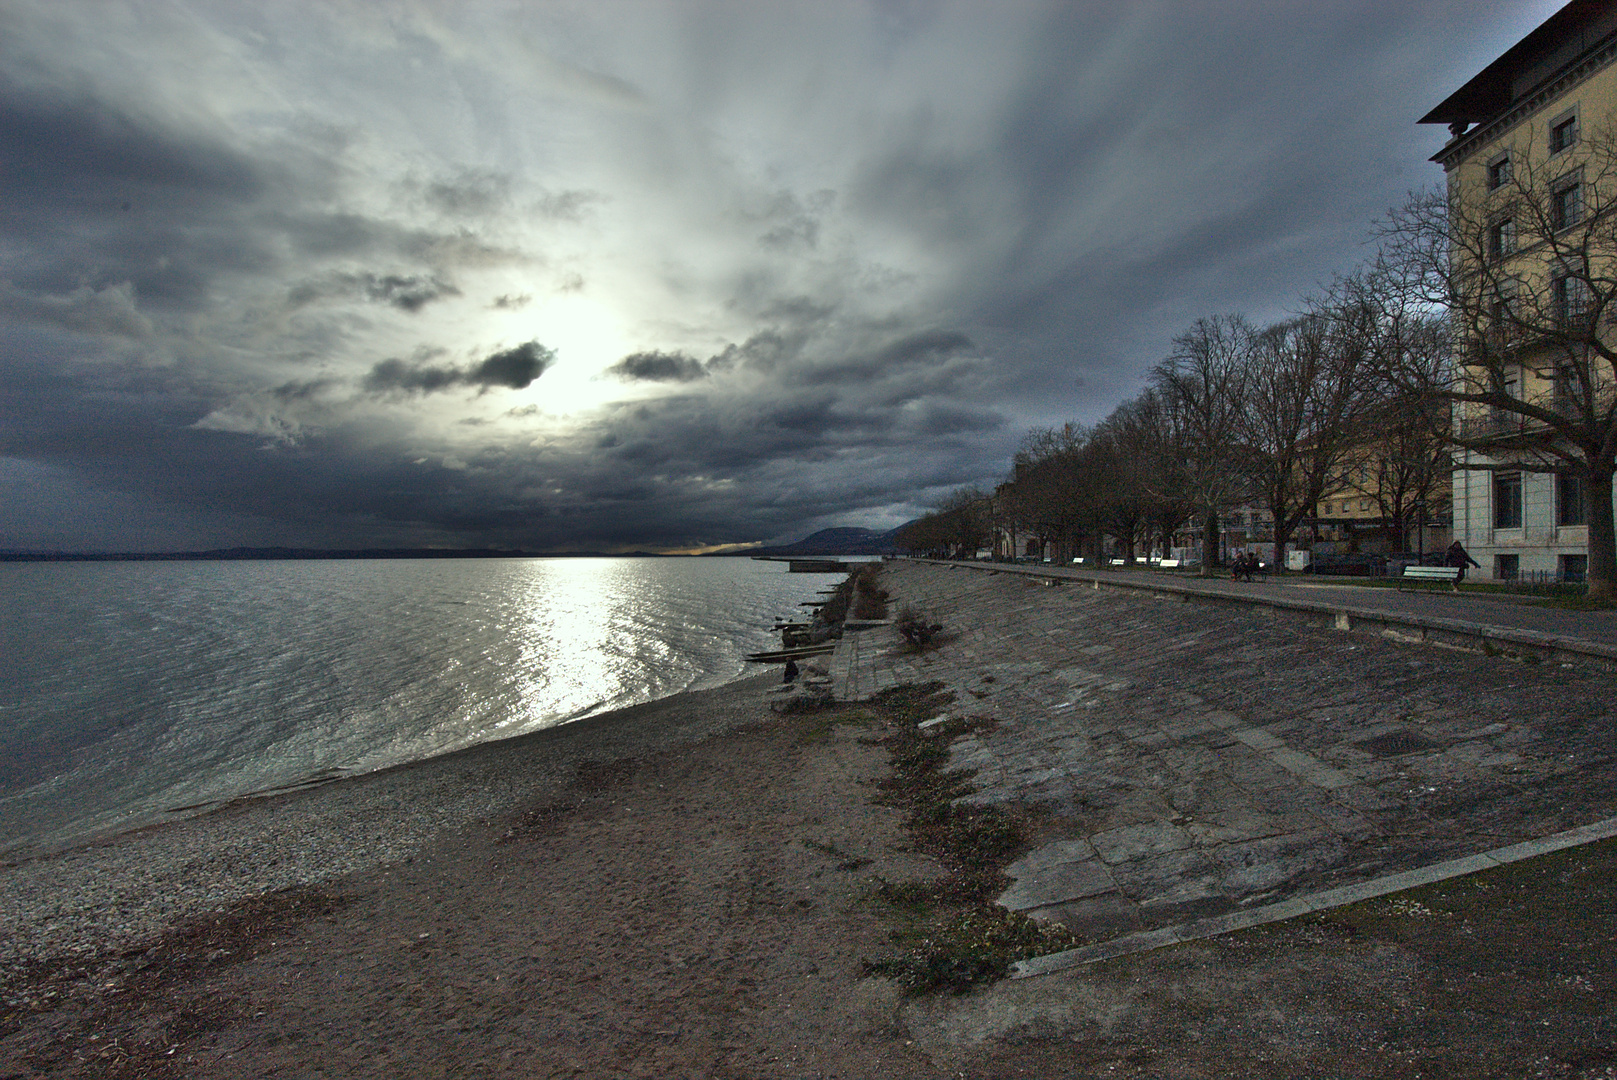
(270, 553)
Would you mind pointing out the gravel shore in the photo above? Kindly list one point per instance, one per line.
(115, 895)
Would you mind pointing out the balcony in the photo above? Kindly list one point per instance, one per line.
(1504, 429)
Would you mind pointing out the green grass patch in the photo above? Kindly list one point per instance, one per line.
(967, 948)
(1539, 934)
(1575, 603)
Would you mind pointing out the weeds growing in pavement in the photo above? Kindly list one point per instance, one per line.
(869, 598)
(951, 934)
(917, 630)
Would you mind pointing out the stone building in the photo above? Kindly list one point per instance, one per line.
(1531, 168)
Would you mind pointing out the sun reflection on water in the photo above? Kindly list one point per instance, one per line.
(573, 612)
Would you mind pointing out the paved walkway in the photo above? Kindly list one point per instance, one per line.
(1199, 760)
(1484, 609)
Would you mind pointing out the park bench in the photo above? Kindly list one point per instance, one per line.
(1432, 575)
(1169, 564)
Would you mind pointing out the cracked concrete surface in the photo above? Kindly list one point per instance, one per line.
(1198, 760)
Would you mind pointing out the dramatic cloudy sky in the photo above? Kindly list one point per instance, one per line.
(651, 274)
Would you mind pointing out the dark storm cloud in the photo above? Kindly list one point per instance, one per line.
(513, 369)
(929, 346)
(110, 312)
(658, 367)
(912, 390)
(406, 292)
(79, 153)
(94, 196)
(764, 352)
(913, 266)
(304, 390)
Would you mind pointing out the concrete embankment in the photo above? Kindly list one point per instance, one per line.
(1199, 762)
(1484, 622)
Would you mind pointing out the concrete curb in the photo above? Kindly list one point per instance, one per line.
(1304, 905)
(1518, 644)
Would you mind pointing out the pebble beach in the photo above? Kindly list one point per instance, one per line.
(126, 890)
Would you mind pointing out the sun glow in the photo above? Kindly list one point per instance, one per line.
(587, 335)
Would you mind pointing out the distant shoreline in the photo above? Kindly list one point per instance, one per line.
(311, 554)
(246, 553)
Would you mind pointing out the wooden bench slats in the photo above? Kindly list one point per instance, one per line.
(1432, 573)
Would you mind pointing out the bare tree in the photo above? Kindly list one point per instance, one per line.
(1129, 450)
(1143, 430)
(1203, 385)
(1527, 274)
(1400, 457)
(967, 518)
(1305, 385)
(1046, 484)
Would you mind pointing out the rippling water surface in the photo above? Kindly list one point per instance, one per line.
(130, 689)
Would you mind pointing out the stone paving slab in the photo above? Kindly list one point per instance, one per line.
(1200, 762)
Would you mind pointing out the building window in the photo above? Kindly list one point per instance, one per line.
(1566, 206)
(1510, 384)
(1563, 133)
(1573, 567)
(1566, 392)
(1507, 500)
(1507, 567)
(1571, 296)
(1571, 500)
(1498, 172)
(1500, 327)
(1501, 239)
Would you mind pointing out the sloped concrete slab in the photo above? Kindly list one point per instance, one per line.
(1137, 841)
(1057, 884)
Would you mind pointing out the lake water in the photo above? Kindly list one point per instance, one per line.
(130, 689)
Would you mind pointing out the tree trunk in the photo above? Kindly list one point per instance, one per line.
(1602, 535)
(1283, 531)
(1212, 559)
(1397, 525)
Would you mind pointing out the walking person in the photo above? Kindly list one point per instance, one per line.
(1457, 557)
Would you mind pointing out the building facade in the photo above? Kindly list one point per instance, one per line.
(1531, 169)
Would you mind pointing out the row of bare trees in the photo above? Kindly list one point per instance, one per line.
(1485, 325)
(1236, 415)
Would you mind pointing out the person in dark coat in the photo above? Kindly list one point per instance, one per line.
(1457, 557)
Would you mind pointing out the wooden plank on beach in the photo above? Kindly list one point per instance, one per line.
(780, 656)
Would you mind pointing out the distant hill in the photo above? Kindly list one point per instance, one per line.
(837, 542)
